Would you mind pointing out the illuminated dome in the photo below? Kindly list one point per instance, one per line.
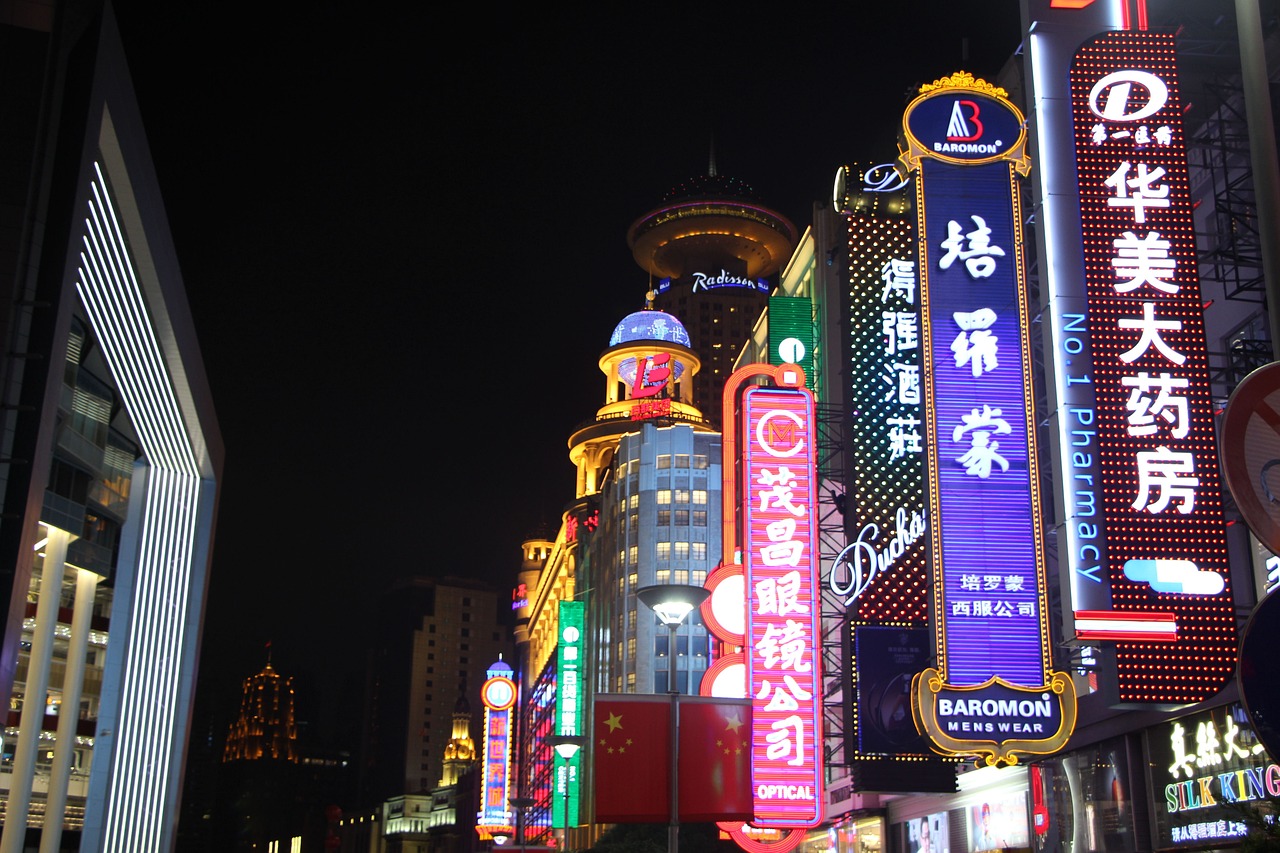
(649, 325)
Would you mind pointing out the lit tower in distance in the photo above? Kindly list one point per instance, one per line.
(265, 728)
(710, 250)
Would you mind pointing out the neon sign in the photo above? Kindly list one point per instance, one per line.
(570, 702)
(1158, 509)
(783, 634)
(499, 696)
(1197, 764)
(993, 693)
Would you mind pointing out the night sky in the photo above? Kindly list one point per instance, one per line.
(404, 242)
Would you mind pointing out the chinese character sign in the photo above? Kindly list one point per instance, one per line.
(1160, 499)
(569, 701)
(783, 633)
(992, 693)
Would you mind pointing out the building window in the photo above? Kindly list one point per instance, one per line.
(466, 632)
(633, 579)
(622, 586)
(664, 462)
(633, 502)
(631, 648)
(631, 620)
(633, 555)
(682, 496)
(634, 522)
(682, 460)
(617, 684)
(662, 575)
(664, 497)
(466, 617)
(664, 550)
(699, 497)
(682, 550)
(631, 682)
(698, 550)
(682, 517)
(699, 577)
(699, 518)
(701, 462)
(682, 576)
(466, 602)
(664, 517)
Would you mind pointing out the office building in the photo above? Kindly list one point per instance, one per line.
(110, 454)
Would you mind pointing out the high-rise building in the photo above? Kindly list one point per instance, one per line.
(265, 727)
(711, 250)
(110, 453)
(432, 642)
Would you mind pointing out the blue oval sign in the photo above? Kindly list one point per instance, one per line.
(964, 125)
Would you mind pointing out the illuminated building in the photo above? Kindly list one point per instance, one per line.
(265, 728)
(112, 454)
(711, 250)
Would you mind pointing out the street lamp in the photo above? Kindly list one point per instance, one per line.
(566, 746)
(520, 804)
(672, 603)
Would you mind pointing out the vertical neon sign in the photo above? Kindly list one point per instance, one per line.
(569, 708)
(779, 496)
(1171, 612)
(498, 694)
(993, 693)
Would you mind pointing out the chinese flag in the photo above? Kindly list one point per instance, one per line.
(632, 746)
(715, 759)
(632, 743)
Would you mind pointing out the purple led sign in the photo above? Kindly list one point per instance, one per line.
(992, 693)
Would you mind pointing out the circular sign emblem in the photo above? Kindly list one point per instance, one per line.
(1251, 452)
(498, 693)
(964, 126)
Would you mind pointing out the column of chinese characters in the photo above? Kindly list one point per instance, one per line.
(1157, 404)
(901, 367)
(977, 347)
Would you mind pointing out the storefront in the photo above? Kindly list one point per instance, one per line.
(864, 834)
(988, 813)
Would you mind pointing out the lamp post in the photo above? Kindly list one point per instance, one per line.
(520, 804)
(566, 746)
(672, 603)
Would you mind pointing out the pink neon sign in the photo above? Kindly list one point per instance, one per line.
(783, 610)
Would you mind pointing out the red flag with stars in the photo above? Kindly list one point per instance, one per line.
(632, 743)
(715, 759)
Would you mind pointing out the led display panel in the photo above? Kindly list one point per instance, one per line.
(783, 634)
(499, 696)
(1161, 511)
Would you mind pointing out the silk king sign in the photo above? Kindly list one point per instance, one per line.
(992, 693)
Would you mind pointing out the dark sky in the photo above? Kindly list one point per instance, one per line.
(404, 240)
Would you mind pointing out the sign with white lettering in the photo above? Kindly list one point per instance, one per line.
(1197, 763)
(570, 704)
(1152, 436)
(989, 693)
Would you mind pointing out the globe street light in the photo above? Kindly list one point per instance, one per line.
(672, 603)
(566, 746)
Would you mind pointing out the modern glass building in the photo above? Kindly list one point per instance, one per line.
(110, 453)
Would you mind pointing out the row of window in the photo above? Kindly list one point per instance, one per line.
(663, 497)
(695, 577)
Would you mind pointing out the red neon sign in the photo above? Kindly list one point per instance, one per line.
(779, 498)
